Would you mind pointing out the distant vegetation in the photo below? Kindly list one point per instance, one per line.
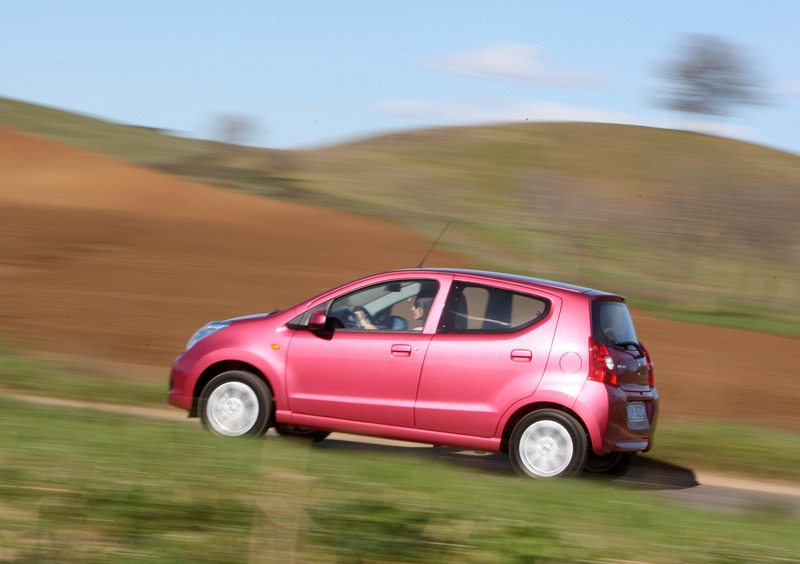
(697, 227)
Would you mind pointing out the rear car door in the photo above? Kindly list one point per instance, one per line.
(490, 350)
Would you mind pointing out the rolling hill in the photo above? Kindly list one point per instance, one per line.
(697, 227)
(117, 261)
(693, 221)
(106, 259)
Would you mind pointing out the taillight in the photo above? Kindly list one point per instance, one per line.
(650, 378)
(601, 365)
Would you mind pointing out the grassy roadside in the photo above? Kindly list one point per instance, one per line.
(89, 487)
(22, 375)
(698, 444)
(730, 448)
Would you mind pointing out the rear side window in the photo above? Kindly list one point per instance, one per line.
(473, 308)
(612, 324)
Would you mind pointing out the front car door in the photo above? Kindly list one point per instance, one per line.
(365, 365)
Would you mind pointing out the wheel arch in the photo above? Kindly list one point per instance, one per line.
(220, 367)
(524, 410)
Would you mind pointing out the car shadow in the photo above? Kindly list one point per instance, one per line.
(647, 473)
(485, 462)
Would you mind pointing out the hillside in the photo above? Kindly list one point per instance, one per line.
(106, 259)
(697, 227)
(672, 217)
(101, 260)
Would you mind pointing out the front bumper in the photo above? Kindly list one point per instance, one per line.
(179, 395)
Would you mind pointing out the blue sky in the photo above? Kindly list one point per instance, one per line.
(309, 73)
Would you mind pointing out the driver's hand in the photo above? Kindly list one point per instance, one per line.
(363, 319)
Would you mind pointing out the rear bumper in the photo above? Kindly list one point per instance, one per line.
(622, 435)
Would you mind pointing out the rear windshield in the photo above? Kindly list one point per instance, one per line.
(612, 324)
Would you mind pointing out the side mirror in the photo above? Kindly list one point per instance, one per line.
(317, 320)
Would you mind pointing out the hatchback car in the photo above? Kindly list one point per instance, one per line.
(550, 373)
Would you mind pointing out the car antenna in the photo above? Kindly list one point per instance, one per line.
(432, 246)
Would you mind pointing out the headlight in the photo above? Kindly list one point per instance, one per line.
(208, 329)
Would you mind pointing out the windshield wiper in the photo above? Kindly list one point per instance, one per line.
(628, 344)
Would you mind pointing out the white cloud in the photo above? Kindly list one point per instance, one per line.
(515, 63)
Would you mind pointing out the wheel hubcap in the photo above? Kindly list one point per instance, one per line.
(546, 448)
(232, 409)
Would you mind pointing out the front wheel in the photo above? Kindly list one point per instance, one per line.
(236, 404)
(548, 444)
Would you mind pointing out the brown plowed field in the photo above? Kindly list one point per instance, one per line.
(109, 262)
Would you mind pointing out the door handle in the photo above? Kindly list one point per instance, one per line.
(521, 355)
(401, 350)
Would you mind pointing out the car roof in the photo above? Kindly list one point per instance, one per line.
(516, 278)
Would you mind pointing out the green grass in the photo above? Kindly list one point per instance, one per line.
(729, 447)
(74, 381)
(734, 316)
(83, 487)
(127, 142)
(696, 444)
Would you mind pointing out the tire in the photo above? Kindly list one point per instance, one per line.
(236, 404)
(614, 464)
(302, 433)
(548, 444)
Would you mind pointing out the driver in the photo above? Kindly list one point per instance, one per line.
(420, 309)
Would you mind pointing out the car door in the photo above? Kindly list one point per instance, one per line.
(362, 373)
(490, 350)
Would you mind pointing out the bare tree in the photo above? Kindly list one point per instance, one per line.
(235, 129)
(709, 77)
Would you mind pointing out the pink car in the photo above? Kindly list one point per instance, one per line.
(550, 373)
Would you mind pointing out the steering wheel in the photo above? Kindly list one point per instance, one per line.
(353, 320)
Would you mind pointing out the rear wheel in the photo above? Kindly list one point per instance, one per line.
(548, 444)
(614, 464)
(236, 404)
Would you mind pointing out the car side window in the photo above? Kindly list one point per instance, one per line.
(473, 308)
(400, 305)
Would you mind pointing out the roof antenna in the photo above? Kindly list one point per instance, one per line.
(434, 244)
